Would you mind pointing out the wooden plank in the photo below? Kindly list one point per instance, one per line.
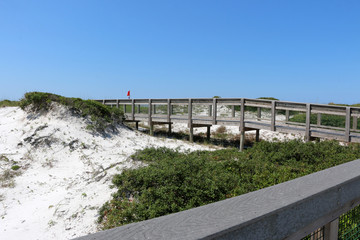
(307, 127)
(201, 125)
(214, 110)
(347, 124)
(271, 213)
(273, 115)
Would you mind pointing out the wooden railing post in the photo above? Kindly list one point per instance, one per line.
(355, 120)
(233, 111)
(287, 115)
(151, 125)
(242, 125)
(214, 110)
(258, 115)
(273, 115)
(191, 138)
(103, 102)
(308, 118)
(319, 119)
(331, 230)
(139, 110)
(347, 124)
(124, 107)
(210, 111)
(133, 109)
(169, 112)
(117, 103)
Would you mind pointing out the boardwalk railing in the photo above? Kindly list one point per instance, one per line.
(270, 115)
(289, 210)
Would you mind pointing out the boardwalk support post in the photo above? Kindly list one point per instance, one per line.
(308, 118)
(257, 135)
(273, 115)
(355, 122)
(169, 112)
(287, 115)
(347, 124)
(191, 138)
(319, 119)
(133, 109)
(208, 133)
(331, 230)
(242, 125)
(151, 125)
(214, 111)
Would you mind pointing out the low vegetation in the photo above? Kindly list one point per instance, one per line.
(174, 181)
(9, 103)
(326, 120)
(101, 116)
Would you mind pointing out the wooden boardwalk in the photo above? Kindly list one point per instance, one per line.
(248, 114)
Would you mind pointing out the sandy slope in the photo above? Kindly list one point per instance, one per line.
(65, 172)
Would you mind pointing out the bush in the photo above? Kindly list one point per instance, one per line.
(326, 120)
(15, 167)
(8, 103)
(175, 181)
(100, 115)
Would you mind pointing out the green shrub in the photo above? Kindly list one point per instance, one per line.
(8, 103)
(326, 120)
(101, 116)
(15, 167)
(175, 181)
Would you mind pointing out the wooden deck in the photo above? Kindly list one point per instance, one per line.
(166, 111)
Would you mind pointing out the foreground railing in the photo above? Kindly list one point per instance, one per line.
(290, 210)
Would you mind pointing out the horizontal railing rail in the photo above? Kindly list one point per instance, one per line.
(290, 210)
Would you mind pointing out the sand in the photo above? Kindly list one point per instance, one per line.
(65, 171)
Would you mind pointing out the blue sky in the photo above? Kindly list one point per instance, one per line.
(306, 51)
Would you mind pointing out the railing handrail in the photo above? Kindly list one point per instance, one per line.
(235, 99)
(290, 210)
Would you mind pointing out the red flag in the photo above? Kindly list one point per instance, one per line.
(128, 94)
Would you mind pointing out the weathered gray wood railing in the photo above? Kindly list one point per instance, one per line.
(238, 118)
(289, 210)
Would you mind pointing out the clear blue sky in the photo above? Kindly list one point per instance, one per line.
(296, 50)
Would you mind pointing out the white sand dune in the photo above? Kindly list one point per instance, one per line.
(65, 172)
